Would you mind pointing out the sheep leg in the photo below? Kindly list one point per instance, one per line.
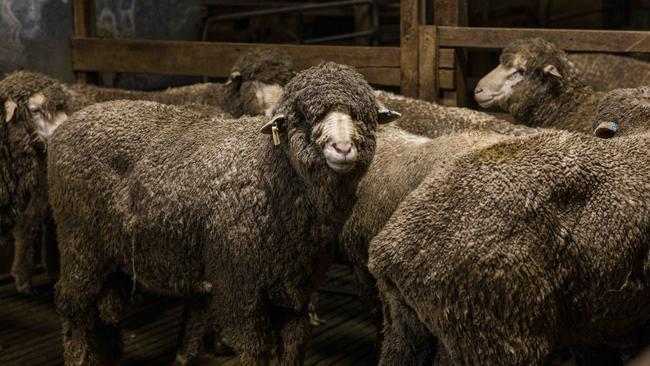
(367, 287)
(294, 333)
(191, 338)
(314, 319)
(86, 340)
(406, 340)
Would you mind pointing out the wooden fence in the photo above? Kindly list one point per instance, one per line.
(429, 64)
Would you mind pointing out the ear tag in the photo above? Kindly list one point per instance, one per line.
(275, 133)
(614, 127)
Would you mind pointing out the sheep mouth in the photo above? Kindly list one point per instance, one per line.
(340, 166)
(485, 101)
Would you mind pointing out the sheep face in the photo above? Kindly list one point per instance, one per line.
(334, 129)
(623, 112)
(257, 79)
(529, 69)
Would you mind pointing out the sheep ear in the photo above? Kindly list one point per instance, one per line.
(552, 70)
(278, 121)
(10, 109)
(235, 76)
(606, 130)
(386, 115)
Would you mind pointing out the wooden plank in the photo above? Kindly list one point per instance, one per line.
(84, 26)
(409, 47)
(380, 65)
(449, 98)
(446, 58)
(446, 79)
(427, 60)
(567, 39)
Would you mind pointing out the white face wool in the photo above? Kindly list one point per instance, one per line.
(267, 96)
(44, 122)
(337, 137)
(497, 85)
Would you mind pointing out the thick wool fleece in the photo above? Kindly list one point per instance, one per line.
(605, 72)
(629, 109)
(433, 120)
(542, 100)
(518, 249)
(187, 202)
(402, 161)
(28, 210)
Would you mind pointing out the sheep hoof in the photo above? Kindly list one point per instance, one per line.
(314, 320)
(180, 361)
(222, 349)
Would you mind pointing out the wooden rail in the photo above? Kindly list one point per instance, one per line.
(380, 65)
(429, 63)
(567, 39)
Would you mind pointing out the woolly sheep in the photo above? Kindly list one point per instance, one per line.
(222, 198)
(253, 87)
(605, 72)
(540, 87)
(519, 249)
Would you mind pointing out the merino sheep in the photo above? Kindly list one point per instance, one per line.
(36, 100)
(254, 86)
(516, 250)
(227, 211)
(605, 72)
(540, 87)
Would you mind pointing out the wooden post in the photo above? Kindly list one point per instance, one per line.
(409, 19)
(453, 12)
(84, 26)
(428, 63)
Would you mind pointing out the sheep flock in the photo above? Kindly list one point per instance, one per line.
(472, 240)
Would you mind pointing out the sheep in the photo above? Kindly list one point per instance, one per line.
(253, 87)
(227, 212)
(605, 72)
(536, 82)
(528, 246)
(432, 120)
(402, 161)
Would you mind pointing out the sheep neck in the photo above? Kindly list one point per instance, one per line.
(572, 109)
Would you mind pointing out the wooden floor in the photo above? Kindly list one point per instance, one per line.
(30, 333)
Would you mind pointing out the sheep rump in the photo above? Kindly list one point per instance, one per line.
(521, 248)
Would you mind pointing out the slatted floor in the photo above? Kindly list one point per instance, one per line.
(30, 333)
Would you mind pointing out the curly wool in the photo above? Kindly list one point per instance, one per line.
(605, 72)
(202, 201)
(519, 249)
(628, 108)
(433, 120)
(541, 100)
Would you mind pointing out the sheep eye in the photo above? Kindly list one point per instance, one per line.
(34, 110)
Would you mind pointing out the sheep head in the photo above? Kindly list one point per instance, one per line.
(256, 81)
(529, 70)
(32, 106)
(623, 112)
(327, 117)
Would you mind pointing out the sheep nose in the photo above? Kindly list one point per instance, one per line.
(478, 90)
(342, 148)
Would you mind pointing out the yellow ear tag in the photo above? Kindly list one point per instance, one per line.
(276, 134)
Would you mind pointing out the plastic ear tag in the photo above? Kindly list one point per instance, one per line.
(276, 134)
